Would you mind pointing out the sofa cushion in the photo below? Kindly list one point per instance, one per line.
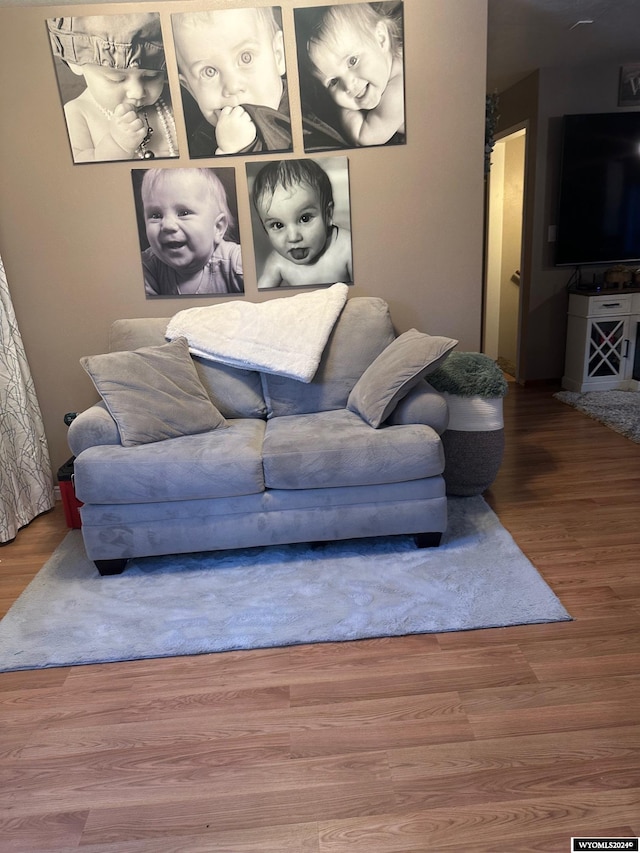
(236, 393)
(153, 393)
(219, 464)
(360, 334)
(395, 372)
(337, 448)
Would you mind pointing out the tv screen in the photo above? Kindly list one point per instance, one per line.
(598, 218)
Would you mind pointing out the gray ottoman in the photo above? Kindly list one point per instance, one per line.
(474, 387)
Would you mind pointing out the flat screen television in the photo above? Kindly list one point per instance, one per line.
(598, 220)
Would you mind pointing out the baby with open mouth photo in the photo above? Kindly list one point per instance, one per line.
(187, 226)
(294, 200)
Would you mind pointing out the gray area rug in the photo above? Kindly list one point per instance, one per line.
(619, 410)
(276, 596)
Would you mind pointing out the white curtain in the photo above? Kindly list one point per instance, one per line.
(26, 482)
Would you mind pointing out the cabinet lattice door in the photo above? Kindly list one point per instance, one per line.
(605, 347)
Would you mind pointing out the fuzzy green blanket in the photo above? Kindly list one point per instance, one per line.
(469, 374)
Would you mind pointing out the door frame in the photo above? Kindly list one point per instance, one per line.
(494, 202)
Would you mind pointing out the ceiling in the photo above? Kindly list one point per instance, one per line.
(524, 35)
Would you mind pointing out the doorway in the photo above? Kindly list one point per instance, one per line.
(503, 274)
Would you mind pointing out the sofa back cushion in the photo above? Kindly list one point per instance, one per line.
(363, 330)
(235, 393)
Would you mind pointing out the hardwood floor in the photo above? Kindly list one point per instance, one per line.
(496, 741)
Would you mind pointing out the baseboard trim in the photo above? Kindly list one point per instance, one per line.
(541, 383)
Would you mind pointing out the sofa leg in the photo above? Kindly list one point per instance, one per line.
(110, 567)
(427, 540)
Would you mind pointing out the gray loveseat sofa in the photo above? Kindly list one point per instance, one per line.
(287, 462)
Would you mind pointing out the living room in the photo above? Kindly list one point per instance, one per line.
(434, 228)
(210, 739)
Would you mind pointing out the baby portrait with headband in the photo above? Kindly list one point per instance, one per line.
(111, 73)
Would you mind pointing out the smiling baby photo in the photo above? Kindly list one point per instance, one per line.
(351, 70)
(187, 225)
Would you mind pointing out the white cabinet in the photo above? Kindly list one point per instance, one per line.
(602, 331)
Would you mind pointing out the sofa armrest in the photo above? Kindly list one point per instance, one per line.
(92, 427)
(422, 405)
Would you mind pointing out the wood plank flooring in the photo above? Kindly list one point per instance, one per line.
(498, 741)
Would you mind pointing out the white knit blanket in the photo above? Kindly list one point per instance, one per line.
(285, 336)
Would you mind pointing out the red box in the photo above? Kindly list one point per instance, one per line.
(70, 503)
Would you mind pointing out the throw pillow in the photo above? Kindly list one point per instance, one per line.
(153, 393)
(398, 368)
